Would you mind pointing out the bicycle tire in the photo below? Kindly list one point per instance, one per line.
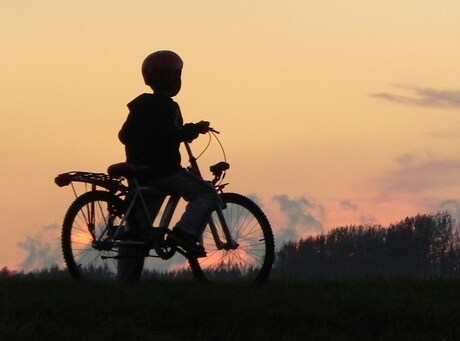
(252, 260)
(83, 261)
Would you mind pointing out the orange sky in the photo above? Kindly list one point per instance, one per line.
(331, 113)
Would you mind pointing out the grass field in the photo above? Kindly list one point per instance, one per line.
(377, 309)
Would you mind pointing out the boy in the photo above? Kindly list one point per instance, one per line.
(152, 135)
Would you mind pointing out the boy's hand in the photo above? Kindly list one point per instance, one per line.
(202, 127)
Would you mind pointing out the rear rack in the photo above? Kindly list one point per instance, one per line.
(111, 183)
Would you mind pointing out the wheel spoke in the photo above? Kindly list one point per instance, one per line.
(86, 221)
(250, 229)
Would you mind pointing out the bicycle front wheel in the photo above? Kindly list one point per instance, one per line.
(252, 259)
(88, 220)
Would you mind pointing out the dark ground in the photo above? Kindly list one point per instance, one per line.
(377, 309)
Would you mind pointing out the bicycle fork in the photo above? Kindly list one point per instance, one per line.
(230, 243)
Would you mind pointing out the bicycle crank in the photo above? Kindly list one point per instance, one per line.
(164, 248)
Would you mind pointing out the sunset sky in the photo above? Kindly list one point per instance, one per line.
(331, 112)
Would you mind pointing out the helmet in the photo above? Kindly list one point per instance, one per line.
(162, 71)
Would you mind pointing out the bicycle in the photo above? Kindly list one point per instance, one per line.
(238, 237)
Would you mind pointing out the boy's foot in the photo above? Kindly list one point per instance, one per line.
(188, 242)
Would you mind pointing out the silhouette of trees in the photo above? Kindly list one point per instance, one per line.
(5, 272)
(423, 246)
(426, 245)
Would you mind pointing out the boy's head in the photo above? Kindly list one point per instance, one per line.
(162, 72)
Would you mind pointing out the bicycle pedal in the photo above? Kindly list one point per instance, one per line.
(187, 248)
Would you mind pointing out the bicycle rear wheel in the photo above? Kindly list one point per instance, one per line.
(252, 260)
(89, 218)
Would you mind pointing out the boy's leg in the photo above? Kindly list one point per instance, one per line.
(201, 196)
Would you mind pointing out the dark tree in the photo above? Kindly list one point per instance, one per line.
(425, 245)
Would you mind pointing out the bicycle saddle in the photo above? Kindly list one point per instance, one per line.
(125, 169)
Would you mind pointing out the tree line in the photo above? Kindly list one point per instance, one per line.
(425, 245)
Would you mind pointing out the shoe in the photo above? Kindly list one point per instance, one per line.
(188, 242)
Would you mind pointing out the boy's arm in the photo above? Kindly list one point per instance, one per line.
(126, 131)
(190, 131)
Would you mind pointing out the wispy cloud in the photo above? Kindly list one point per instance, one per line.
(348, 205)
(451, 205)
(304, 216)
(42, 249)
(416, 173)
(424, 97)
(359, 214)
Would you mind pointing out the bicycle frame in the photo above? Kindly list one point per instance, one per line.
(173, 201)
(113, 183)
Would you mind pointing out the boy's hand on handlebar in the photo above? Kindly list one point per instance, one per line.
(202, 127)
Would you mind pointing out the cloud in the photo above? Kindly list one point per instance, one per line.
(348, 205)
(418, 173)
(451, 205)
(405, 160)
(424, 97)
(362, 216)
(257, 199)
(43, 250)
(303, 216)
